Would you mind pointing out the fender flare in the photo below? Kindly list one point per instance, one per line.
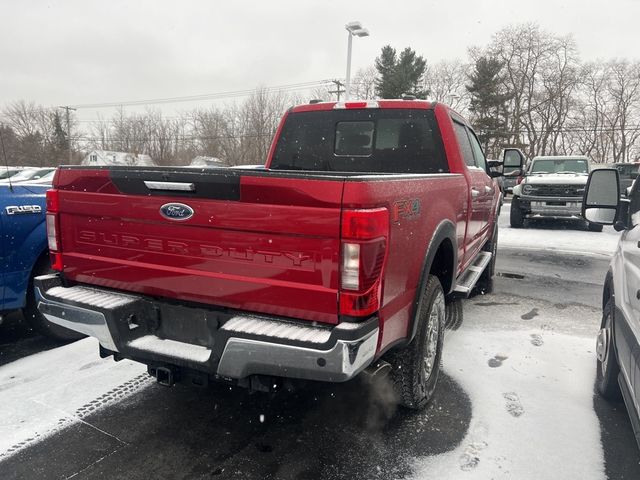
(445, 230)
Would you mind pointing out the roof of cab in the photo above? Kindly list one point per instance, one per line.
(362, 104)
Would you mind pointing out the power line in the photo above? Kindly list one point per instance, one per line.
(205, 96)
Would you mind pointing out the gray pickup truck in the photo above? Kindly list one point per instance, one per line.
(553, 187)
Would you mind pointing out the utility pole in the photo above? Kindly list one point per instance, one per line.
(67, 109)
(338, 85)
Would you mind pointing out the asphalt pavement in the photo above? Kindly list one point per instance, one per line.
(343, 431)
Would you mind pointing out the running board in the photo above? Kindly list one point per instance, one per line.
(468, 279)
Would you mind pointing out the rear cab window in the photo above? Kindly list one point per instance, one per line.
(366, 140)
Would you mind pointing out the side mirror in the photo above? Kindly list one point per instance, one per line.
(513, 158)
(495, 168)
(602, 197)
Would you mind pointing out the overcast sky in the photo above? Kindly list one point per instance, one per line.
(75, 52)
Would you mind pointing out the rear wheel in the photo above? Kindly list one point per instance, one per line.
(416, 367)
(37, 321)
(607, 363)
(515, 214)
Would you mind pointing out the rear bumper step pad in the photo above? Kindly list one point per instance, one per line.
(227, 344)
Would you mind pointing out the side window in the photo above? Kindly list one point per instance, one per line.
(477, 151)
(465, 146)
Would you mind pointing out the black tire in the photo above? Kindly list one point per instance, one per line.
(454, 313)
(594, 227)
(485, 282)
(516, 217)
(37, 321)
(607, 368)
(416, 367)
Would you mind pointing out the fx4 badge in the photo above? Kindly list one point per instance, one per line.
(406, 209)
(176, 211)
(23, 209)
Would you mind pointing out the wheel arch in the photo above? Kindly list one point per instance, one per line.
(440, 259)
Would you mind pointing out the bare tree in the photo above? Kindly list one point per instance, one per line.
(363, 84)
(445, 81)
(622, 119)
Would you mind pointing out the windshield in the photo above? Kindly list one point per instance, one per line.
(365, 140)
(47, 178)
(7, 173)
(560, 166)
(29, 174)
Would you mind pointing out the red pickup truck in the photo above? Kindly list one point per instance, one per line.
(338, 256)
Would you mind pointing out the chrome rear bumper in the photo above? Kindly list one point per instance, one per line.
(229, 345)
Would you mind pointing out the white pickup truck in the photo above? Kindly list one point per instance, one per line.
(552, 187)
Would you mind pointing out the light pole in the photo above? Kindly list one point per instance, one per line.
(353, 29)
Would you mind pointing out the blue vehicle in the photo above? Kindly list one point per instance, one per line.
(24, 253)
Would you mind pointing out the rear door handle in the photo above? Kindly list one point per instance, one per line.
(474, 192)
(488, 189)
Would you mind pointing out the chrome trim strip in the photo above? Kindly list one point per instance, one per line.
(243, 357)
(176, 186)
(550, 198)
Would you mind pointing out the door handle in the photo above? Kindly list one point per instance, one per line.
(488, 189)
(474, 192)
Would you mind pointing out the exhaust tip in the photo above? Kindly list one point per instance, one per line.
(377, 371)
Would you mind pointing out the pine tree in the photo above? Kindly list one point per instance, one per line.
(488, 102)
(399, 75)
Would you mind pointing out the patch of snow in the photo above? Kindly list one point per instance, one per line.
(50, 390)
(532, 416)
(569, 241)
(560, 239)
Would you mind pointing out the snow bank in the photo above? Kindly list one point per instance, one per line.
(532, 397)
(51, 390)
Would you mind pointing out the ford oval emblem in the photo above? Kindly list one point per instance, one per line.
(176, 211)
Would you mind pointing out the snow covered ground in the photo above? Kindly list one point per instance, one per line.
(531, 388)
(566, 238)
(51, 390)
(529, 370)
(569, 241)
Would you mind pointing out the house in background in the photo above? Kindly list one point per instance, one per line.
(106, 157)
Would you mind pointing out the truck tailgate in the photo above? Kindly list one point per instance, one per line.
(255, 241)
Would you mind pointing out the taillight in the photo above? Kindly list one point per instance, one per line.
(53, 229)
(365, 234)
